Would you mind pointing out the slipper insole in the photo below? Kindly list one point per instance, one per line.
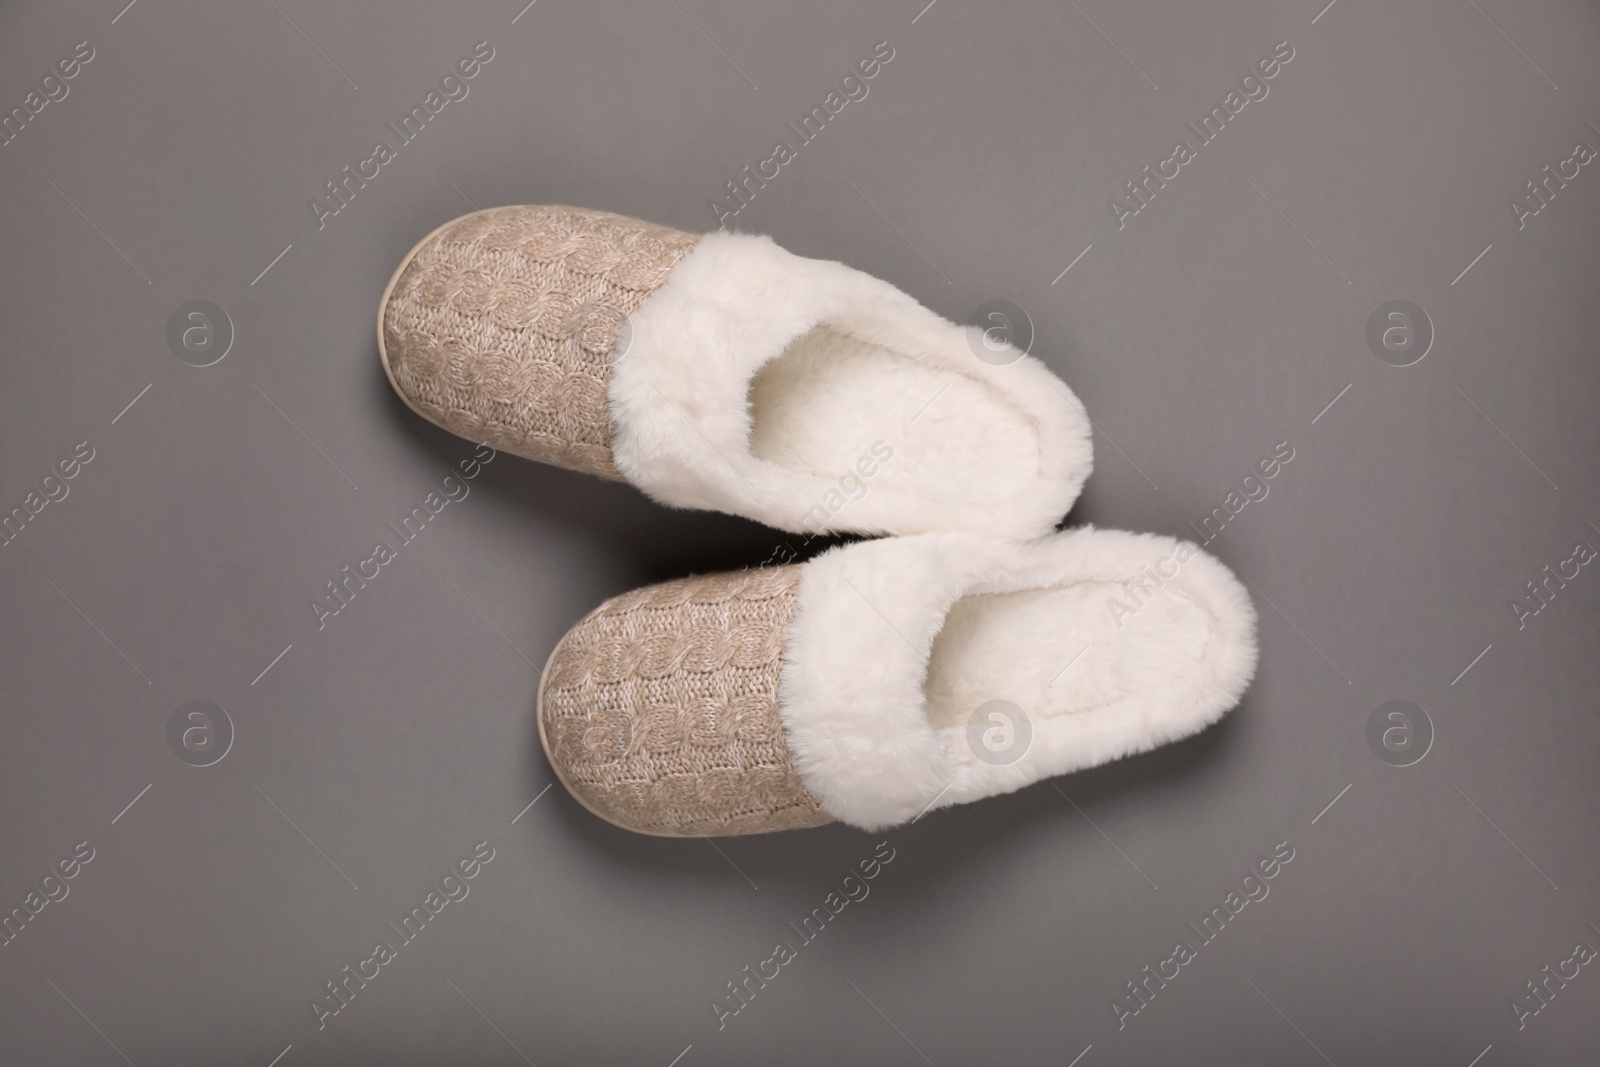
(1061, 651)
(825, 402)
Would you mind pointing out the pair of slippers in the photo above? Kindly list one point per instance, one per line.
(971, 653)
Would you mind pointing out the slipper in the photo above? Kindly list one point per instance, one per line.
(886, 678)
(721, 372)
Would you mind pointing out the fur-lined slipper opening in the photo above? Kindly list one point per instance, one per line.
(815, 398)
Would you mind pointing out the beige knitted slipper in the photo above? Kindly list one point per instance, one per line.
(885, 678)
(721, 372)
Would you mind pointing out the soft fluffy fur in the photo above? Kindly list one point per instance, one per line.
(683, 422)
(856, 678)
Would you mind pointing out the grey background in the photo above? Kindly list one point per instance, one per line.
(1213, 326)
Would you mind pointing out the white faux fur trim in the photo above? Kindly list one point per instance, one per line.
(680, 392)
(855, 676)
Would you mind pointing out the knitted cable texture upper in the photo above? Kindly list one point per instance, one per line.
(503, 326)
(661, 708)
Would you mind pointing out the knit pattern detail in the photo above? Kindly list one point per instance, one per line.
(503, 326)
(661, 708)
